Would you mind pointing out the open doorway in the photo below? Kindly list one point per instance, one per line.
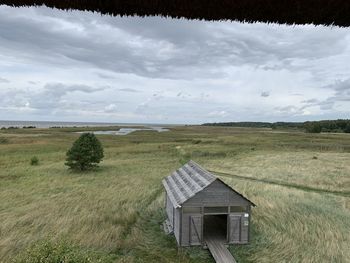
(215, 227)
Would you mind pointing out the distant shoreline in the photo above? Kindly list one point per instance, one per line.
(49, 124)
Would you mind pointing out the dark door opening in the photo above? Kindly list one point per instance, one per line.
(215, 226)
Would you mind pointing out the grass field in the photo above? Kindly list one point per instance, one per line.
(300, 183)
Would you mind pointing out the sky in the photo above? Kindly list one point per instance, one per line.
(81, 66)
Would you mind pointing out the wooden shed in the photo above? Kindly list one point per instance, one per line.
(200, 206)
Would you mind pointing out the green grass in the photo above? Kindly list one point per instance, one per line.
(116, 210)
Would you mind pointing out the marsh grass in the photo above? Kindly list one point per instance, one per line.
(116, 210)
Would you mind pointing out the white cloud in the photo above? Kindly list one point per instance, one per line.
(111, 108)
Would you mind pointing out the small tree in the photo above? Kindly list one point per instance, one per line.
(347, 128)
(85, 153)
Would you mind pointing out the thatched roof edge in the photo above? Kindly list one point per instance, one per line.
(318, 12)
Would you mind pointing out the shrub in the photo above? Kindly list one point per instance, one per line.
(4, 140)
(347, 128)
(59, 252)
(313, 127)
(85, 153)
(34, 160)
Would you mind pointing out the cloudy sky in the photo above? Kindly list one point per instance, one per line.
(80, 66)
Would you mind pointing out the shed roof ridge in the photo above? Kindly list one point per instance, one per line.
(196, 167)
(206, 172)
(194, 177)
(191, 170)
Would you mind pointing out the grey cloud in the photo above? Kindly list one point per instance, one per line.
(342, 94)
(105, 76)
(157, 47)
(265, 94)
(129, 90)
(3, 80)
(341, 90)
(142, 107)
(310, 101)
(287, 109)
(186, 95)
(341, 87)
(49, 98)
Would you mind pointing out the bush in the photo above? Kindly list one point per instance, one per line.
(347, 128)
(4, 140)
(59, 252)
(85, 153)
(34, 161)
(314, 127)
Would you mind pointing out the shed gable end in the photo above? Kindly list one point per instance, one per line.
(217, 194)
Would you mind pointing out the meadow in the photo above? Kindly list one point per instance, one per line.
(300, 183)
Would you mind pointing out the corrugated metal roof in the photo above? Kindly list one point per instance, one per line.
(185, 182)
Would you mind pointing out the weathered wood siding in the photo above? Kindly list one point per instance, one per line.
(196, 224)
(170, 210)
(186, 224)
(217, 194)
(244, 230)
(238, 228)
(177, 225)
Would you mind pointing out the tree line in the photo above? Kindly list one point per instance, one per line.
(308, 126)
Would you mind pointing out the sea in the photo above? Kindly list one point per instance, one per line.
(48, 124)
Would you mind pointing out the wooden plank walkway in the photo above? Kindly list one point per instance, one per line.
(215, 238)
(219, 251)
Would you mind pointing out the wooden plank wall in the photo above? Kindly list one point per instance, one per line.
(177, 224)
(217, 194)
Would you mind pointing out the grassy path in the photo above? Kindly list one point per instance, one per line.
(148, 202)
(289, 185)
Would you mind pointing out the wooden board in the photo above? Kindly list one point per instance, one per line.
(196, 230)
(219, 251)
